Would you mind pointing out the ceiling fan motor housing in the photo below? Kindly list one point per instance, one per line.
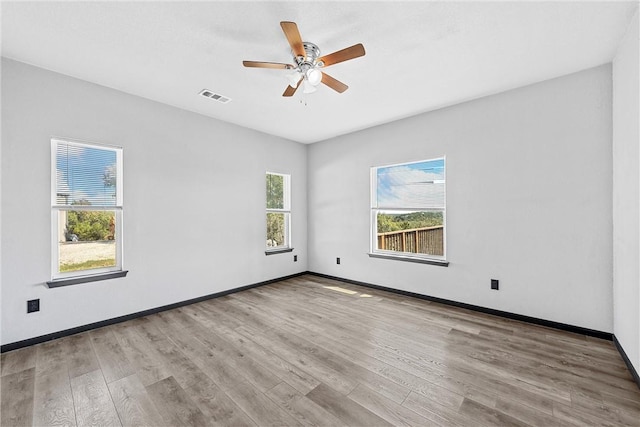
(310, 60)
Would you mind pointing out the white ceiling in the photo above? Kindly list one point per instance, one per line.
(420, 55)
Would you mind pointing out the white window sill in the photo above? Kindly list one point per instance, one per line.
(420, 260)
(56, 283)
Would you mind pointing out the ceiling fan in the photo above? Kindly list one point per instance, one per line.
(308, 63)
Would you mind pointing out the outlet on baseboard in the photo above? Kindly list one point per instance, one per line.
(495, 284)
(33, 305)
(295, 258)
(337, 260)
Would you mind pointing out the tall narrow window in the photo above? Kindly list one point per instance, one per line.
(408, 210)
(278, 212)
(86, 212)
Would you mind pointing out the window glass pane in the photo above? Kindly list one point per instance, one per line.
(412, 185)
(418, 232)
(277, 224)
(275, 191)
(86, 240)
(85, 175)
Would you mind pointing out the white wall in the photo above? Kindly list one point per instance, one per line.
(529, 201)
(529, 178)
(194, 200)
(626, 194)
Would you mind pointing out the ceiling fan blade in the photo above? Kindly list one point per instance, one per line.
(259, 64)
(345, 54)
(293, 36)
(334, 84)
(289, 91)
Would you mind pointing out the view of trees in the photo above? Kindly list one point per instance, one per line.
(275, 229)
(109, 176)
(91, 225)
(276, 232)
(406, 221)
(275, 191)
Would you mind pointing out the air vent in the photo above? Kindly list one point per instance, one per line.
(215, 96)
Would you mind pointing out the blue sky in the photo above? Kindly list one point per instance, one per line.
(412, 185)
(81, 173)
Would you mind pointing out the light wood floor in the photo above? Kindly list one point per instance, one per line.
(311, 351)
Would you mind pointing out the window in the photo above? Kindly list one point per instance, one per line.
(86, 209)
(278, 213)
(408, 211)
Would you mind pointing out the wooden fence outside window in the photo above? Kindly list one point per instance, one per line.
(428, 240)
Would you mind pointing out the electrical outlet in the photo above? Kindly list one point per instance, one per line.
(295, 258)
(33, 305)
(337, 260)
(495, 284)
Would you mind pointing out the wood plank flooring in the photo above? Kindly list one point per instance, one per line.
(313, 351)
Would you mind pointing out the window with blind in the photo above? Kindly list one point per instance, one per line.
(278, 212)
(86, 209)
(408, 210)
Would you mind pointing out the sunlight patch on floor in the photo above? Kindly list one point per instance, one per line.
(339, 289)
(346, 291)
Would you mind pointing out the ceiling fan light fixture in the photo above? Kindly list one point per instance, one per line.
(314, 76)
(294, 78)
(307, 87)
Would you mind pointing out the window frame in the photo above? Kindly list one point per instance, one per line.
(374, 252)
(88, 275)
(286, 210)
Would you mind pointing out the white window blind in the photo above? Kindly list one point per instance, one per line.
(413, 185)
(86, 175)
